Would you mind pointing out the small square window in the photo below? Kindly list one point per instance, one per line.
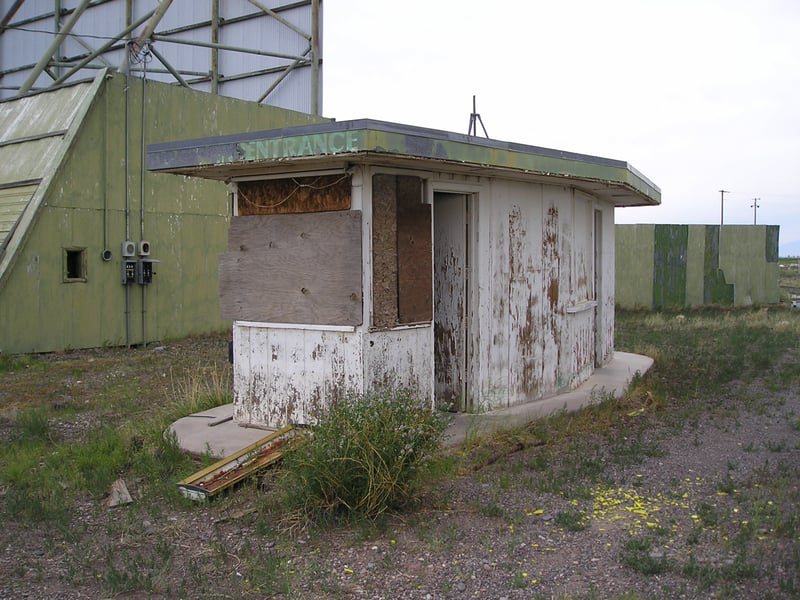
(74, 265)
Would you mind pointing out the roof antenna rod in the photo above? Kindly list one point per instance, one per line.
(474, 119)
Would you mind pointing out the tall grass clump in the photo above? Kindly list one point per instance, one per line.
(365, 455)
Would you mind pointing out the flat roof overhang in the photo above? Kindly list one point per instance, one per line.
(370, 142)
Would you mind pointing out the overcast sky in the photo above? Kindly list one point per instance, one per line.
(698, 95)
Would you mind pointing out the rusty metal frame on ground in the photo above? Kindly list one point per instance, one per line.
(234, 468)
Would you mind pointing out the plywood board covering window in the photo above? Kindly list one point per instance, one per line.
(401, 248)
(319, 193)
(303, 269)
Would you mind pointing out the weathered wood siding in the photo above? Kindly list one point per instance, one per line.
(286, 376)
(606, 294)
(534, 326)
(450, 299)
(303, 269)
(402, 357)
(534, 317)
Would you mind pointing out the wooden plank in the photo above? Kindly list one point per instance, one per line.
(414, 252)
(303, 269)
(311, 230)
(384, 251)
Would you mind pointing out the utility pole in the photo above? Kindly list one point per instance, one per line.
(755, 206)
(722, 205)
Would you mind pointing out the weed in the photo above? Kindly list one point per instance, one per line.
(99, 461)
(707, 348)
(32, 425)
(694, 536)
(520, 581)
(775, 446)
(571, 520)
(127, 572)
(726, 485)
(490, 509)
(638, 554)
(633, 450)
(706, 575)
(12, 363)
(267, 574)
(365, 455)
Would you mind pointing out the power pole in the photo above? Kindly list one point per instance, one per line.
(722, 205)
(755, 206)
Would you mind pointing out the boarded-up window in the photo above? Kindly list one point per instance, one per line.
(302, 269)
(401, 251)
(321, 193)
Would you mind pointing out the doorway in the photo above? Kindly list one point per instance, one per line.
(450, 299)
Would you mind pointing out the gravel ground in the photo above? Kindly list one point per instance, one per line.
(704, 509)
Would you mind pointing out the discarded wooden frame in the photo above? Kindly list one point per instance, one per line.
(232, 469)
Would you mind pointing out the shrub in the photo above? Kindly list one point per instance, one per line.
(366, 454)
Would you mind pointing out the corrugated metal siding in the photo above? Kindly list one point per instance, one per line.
(40, 114)
(32, 135)
(12, 202)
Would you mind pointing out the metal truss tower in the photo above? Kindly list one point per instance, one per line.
(264, 51)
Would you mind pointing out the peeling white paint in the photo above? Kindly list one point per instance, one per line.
(538, 315)
(284, 376)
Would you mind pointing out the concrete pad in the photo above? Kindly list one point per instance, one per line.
(214, 432)
(611, 380)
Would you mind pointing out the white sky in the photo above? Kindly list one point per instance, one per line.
(698, 95)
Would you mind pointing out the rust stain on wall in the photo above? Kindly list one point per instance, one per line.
(550, 256)
(523, 301)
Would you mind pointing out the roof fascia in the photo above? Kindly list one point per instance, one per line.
(272, 149)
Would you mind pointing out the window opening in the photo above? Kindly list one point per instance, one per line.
(74, 264)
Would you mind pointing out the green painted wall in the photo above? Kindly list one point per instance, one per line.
(695, 264)
(633, 254)
(669, 266)
(185, 220)
(749, 263)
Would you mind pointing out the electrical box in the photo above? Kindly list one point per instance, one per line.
(144, 248)
(128, 249)
(144, 271)
(128, 271)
